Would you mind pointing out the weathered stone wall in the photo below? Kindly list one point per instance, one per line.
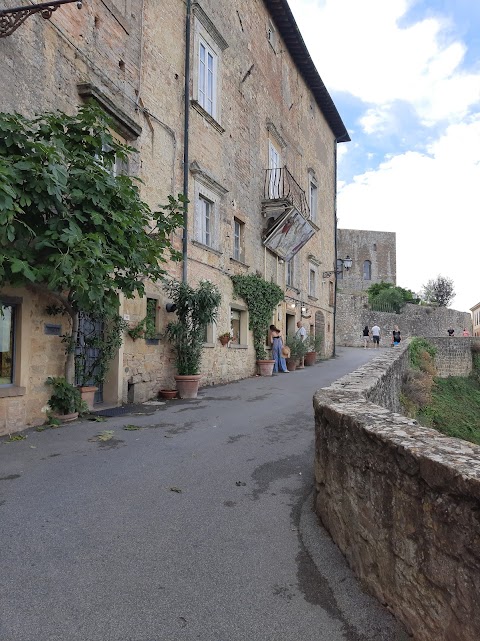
(401, 501)
(378, 247)
(415, 320)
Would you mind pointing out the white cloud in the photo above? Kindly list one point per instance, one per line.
(359, 47)
(432, 202)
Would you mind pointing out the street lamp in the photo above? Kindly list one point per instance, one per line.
(11, 19)
(346, 264)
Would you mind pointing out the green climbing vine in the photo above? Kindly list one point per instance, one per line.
(261, 298)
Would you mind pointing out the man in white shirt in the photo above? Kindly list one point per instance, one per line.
(301, 331)
(376, 335)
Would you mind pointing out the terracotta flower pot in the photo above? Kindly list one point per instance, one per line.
(187, 385)
(310, 358)
(66, 418)
(291, 364)
(265, 367)
(224, 340)
(88, 394)
(168, 394)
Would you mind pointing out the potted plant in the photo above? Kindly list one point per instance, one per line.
(298, 349)
(313, 345)
(195, 309)
(168, 394)
(225, 338)
(65, 402)
(261, 298)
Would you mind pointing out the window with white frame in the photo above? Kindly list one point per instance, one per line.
(238, 240)
(208, 208)
(238, 326)
(274, 169)
(290, 273)
(312, 281)
(207, 78)
(206, 220)
(313, 198)
(208, 47)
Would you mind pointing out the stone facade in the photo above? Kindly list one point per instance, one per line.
(374, 256)
(476, 319)
(353, 313)
(130, 56)
(401, 501)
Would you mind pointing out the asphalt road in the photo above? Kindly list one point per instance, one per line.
(195, 526)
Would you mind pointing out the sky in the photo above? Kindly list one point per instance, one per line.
(405, 78)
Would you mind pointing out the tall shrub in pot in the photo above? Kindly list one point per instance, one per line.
(196, 307)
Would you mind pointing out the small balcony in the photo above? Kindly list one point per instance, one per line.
(281, 189)
(286, 209)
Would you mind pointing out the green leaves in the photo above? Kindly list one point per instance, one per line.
(261, 298)
(66, 223)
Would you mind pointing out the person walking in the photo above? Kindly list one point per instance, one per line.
(465, 332)
(451, 331)
(366, 336)
(376, 336)
(277, 356)
(396, 336)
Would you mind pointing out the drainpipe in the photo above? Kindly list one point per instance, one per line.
(186, 124)
(335, 244)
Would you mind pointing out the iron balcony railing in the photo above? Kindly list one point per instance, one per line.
(281, 185)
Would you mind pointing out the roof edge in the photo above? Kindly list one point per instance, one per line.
(285, 22)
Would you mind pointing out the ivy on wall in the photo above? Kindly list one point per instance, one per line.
(261, 298)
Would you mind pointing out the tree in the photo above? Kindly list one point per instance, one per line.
(439, 290)
(382, 295)
(69, 227)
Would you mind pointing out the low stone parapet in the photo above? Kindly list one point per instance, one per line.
(401, 501)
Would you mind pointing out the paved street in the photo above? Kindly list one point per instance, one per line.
(196, 526)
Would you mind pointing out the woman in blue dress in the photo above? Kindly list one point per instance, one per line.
(277, 344)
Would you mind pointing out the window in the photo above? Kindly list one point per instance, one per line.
(367, 270)
(238, 326)
(271, 35)
(208, 334)
(238, 240)
(331, 293)
(274, 164)
(208, 48)
(206, 220)
(312, 284)
(7, 344)
(313, 199)
(151, 325)
(207, 78)
(207, 210)
(290, 275)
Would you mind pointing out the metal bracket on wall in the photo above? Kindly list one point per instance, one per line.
(11, 19)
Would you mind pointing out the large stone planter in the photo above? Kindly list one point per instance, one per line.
(88, 394)
(310, 358)
(187, 385)
(265, 367)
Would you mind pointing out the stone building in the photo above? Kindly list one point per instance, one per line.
(262, 135)
(476, 319)
(373, 255)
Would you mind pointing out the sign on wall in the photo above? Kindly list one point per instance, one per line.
(288, 235)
